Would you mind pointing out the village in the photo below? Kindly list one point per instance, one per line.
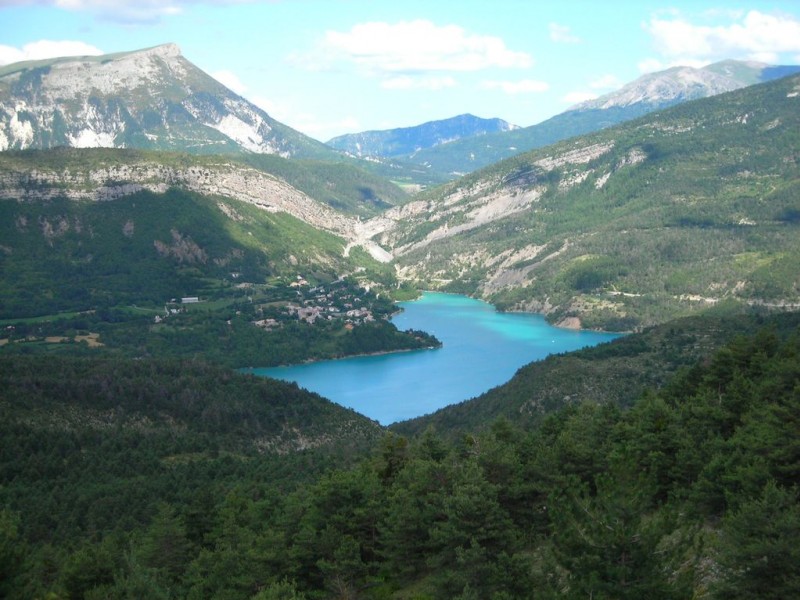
(271, 305)
(343, 303)
(339, 299)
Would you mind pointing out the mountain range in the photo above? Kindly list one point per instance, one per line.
(408, 140)
(573, 230)
(646, 94)
(156, 99)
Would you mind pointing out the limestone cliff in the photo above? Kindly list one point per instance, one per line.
(112, 181)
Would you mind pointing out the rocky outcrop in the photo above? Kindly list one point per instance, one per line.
(224, 179)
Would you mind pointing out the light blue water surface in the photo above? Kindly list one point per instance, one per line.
(482, 349)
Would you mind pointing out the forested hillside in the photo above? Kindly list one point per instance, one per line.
(94, 450)
(660, 217)
(691, 492)
(102, 246)
(616, 373)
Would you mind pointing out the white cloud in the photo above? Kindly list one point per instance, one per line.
(732, 14)
(754, 35)
(524, 86)
(43, 49)
(578, 97)
(562, 34)
(230, 80)
(417, 46)
(406, 82)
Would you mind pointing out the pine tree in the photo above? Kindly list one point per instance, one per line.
(758, 549)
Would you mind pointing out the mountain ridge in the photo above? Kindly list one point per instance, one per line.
(570, 220)
(152, 99)
(467, 214)
(407, 140)
(113, 176)
(678, 84)
(646, 94)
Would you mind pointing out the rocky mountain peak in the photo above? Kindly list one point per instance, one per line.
(679, 84)
(169, 50)
(151, 99)
(106, 75)
(670, 86)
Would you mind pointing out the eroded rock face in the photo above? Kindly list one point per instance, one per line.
(228, 180)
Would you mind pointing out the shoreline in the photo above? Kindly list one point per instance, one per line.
(311, 361)
(572, 323)
(482, 349)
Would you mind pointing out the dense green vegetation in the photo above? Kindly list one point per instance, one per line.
(225, 336)
(120, 490)
(118, 270)
(660, 217)
(94, 449)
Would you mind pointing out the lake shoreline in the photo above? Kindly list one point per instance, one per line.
(481, 349)
(572, 323)
(311, 361)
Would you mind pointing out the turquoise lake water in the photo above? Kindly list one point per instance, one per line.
(482, 349)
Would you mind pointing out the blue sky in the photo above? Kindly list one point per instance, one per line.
(327, 67)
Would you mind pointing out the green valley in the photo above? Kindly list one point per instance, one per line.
(139, 280)
(657, 218)
(125, 270)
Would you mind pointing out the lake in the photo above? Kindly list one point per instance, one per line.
(482, 348)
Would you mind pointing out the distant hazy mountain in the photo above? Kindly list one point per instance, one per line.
(679, 84)
(407, 140)
(149, 99)
(650, 92)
